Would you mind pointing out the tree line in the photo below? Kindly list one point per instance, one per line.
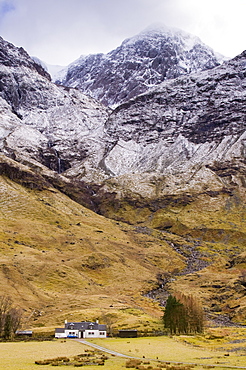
(183, 315)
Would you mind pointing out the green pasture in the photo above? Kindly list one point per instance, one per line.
(178, 349)
(154, 352)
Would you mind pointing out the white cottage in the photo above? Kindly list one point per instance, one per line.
(82, 330)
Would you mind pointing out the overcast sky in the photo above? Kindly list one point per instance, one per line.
(59, 31)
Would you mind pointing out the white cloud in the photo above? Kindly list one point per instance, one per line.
(219, 23)
(59, 31)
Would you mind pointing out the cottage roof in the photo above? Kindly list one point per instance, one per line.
(84, 325)
(59, 330)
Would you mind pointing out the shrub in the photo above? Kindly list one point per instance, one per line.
(133, 363)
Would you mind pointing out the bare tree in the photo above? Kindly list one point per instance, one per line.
(10, 318)
(5, 306)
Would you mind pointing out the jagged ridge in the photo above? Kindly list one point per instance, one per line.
(141, 62)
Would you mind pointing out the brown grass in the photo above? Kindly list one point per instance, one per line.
(59, 260)
(66, 262)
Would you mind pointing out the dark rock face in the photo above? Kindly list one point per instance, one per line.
(40, 120)
(15, 58)
(139, 64)
(21, 174)
(11, 56)
(196, 118)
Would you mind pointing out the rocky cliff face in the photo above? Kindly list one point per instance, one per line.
(196, 118)
(40, 120)
(192, 123)
(187, 133)
(140, 63)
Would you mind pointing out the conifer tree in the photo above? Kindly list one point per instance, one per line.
(173, 314)
(183, 315)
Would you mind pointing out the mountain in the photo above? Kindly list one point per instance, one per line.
(195, 119)
(166, 168)
(188, 129)
(141, 62)
(41, 120)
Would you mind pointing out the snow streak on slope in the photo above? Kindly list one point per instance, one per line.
(43, 121)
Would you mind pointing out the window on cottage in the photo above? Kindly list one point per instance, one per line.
(101, 332)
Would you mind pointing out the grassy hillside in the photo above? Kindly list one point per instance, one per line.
(205, 222)
(59, 260)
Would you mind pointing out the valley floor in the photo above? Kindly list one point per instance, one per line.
(203, 352)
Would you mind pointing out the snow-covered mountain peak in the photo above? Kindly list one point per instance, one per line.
(159, 30)
(154, 55)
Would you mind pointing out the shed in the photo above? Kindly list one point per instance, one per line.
(128, 333)
(24, 332)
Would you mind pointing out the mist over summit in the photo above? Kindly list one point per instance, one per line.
(141, 62)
